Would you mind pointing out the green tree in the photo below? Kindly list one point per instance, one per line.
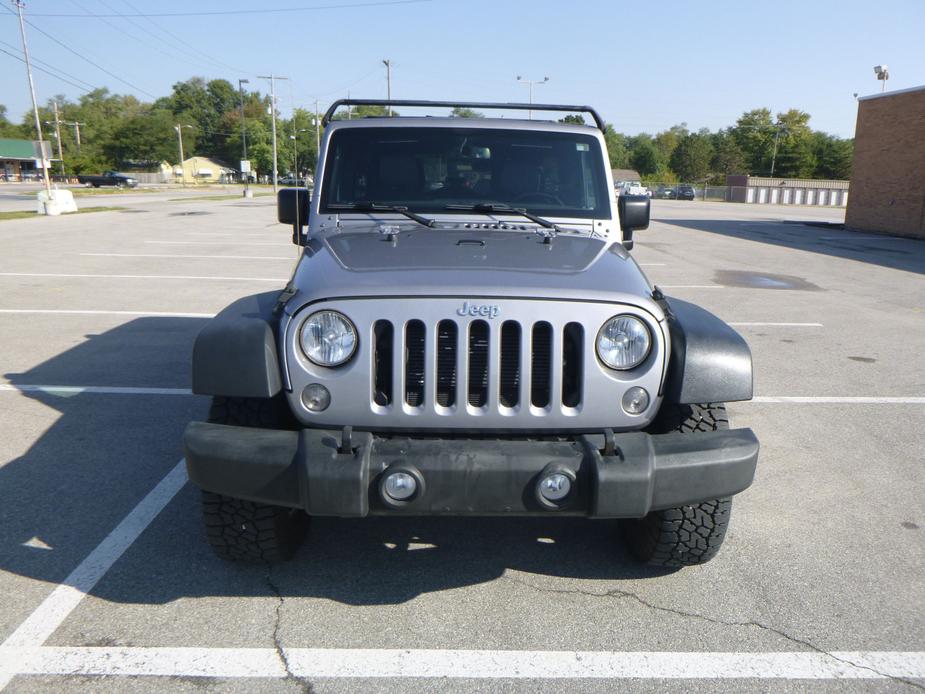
(833, 156)
(692, 157)
(616, 148)
(644, 157)
(795, 158)
(728, 158)
(146, 139)
(753, 133)
(574, 119)
(666, 141)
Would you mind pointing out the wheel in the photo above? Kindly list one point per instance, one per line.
(244, 530)
(691, 534)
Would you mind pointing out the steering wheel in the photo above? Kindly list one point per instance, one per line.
(539, 197)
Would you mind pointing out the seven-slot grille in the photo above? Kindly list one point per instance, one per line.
(479, 366)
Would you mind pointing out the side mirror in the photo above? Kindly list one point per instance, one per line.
(634, 214)
(292, 206)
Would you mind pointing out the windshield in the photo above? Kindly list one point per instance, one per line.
(425, 169)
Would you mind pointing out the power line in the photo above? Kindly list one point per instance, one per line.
(47, 72)
(86, 59)
(178, 40)
(53, 69)
(266, 10)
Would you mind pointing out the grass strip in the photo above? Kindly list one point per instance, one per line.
(26, 214)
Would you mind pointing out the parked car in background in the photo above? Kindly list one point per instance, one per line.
(109, 178)
(631, 188)
(685, 193)
(666, 193)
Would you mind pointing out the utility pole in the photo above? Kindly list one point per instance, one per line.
(388, 81)
(18, 4)
(57, 124)
(246, 175)
(531, 83)
(179, 129)
(273, 79)
(76, 127)
(780, 126)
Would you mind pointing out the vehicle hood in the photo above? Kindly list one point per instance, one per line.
(467, 263)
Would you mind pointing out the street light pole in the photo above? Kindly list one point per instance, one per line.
(388, 81)
(246, 175)
(531, 83)
(35, 107)
(273, 79)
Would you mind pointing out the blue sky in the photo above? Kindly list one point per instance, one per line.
(644, 65)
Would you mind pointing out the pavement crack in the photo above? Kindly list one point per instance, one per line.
(619, 594)
(304, 685)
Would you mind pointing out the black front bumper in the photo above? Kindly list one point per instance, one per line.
(316, 470)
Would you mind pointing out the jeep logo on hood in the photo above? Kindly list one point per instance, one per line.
(487, 310)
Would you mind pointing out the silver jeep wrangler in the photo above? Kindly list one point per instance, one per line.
(466, 333)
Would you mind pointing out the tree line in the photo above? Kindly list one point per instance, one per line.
(122, 132)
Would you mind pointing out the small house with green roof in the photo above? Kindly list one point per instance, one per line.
(19, 157)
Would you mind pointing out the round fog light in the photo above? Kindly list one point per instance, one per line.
(316, 397)
(555, 487)
(400, 486)
(635, 400)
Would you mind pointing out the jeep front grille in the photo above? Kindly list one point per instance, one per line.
(433, 364)
(490, 364)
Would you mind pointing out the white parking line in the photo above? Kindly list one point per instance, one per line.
(218, 243)
(691, 286)
(838, 400)
(848, 237)
(43, 622)
(157, 314)
(476, 664)
(143, 277)
(777, 325)
(172, 255)
(98, 390)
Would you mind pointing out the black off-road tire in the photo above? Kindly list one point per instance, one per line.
(244, 530)
(687, 535)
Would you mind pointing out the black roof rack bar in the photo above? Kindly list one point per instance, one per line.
(329, 114)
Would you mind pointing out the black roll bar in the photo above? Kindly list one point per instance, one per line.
(329, 114)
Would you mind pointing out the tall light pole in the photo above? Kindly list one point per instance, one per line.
(35, 107)
(246, 174)
(388, 82)
(179, 129)
(273, 79)
(295, 147)
(531, 83)
(883, 74)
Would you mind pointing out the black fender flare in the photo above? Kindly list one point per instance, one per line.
(235, 354)
(710, 362)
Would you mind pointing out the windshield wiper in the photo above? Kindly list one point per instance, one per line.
(377, 207)
(489, 207)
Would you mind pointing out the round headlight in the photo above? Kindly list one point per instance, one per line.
(623, 342)
(328, 338)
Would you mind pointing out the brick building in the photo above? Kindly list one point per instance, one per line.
(888, 172)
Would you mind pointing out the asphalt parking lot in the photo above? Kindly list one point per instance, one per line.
(109, 585)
